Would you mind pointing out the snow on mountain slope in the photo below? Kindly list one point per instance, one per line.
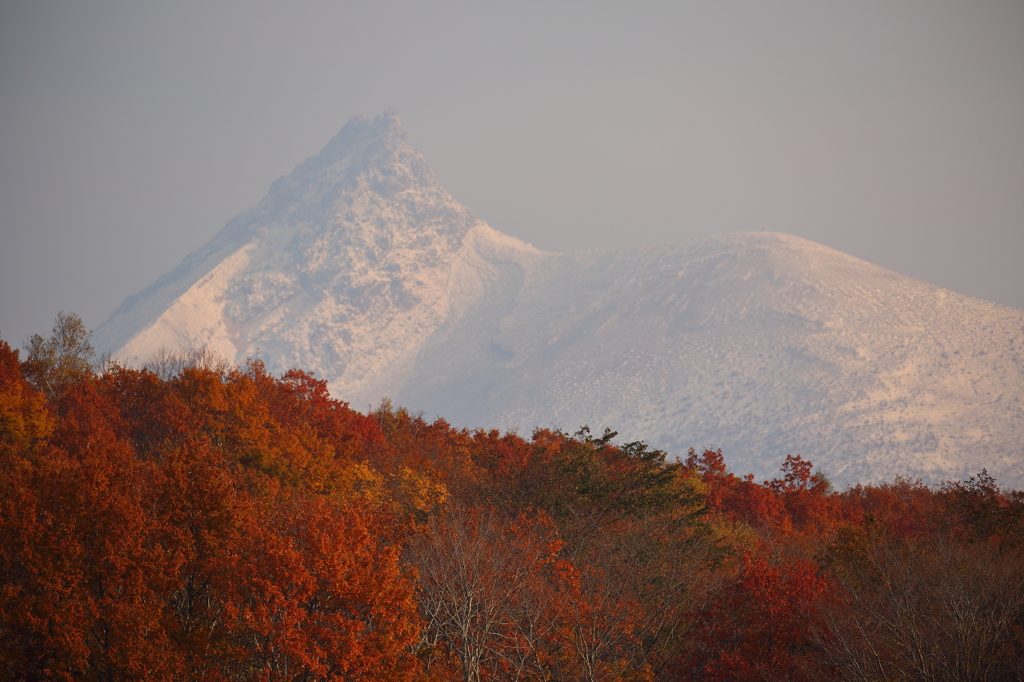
(346, 267)
(762, 344)
(359, 266)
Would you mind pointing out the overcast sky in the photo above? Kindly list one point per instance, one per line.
(892, 130)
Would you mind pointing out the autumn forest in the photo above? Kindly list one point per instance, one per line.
(199, 521)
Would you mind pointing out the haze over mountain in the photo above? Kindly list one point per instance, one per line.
(359, 266)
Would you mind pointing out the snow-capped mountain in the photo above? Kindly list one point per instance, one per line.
(359, 266)
(347, 267)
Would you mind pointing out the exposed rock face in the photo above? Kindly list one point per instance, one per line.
(359, 266)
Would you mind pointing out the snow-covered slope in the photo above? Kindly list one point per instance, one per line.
(760, 343)
(347, 267)
(358, 265)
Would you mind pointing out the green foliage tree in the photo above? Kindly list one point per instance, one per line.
(53, 363)
(984, 513)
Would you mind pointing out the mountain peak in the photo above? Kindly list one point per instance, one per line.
(360, 266)
(385, 129)
(360, 143)
(367, 155)
(347, 266)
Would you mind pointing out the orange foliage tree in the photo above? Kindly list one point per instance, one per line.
(196, 520)
(197, 526)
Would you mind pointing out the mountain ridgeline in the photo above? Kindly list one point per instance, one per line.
(360, 267)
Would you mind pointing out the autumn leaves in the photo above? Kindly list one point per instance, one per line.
(136, 547)
(217, 523)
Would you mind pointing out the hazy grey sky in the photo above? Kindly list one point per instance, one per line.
(893, 130)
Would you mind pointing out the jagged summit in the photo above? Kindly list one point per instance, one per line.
(365, 155)
(359, 266)
(364, 150)
(345, 265)
(384, 131)
(374, 152)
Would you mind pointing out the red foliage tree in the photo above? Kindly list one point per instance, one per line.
(188, 527)
(765, 625)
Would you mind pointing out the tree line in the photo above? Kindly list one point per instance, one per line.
(195, 520)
